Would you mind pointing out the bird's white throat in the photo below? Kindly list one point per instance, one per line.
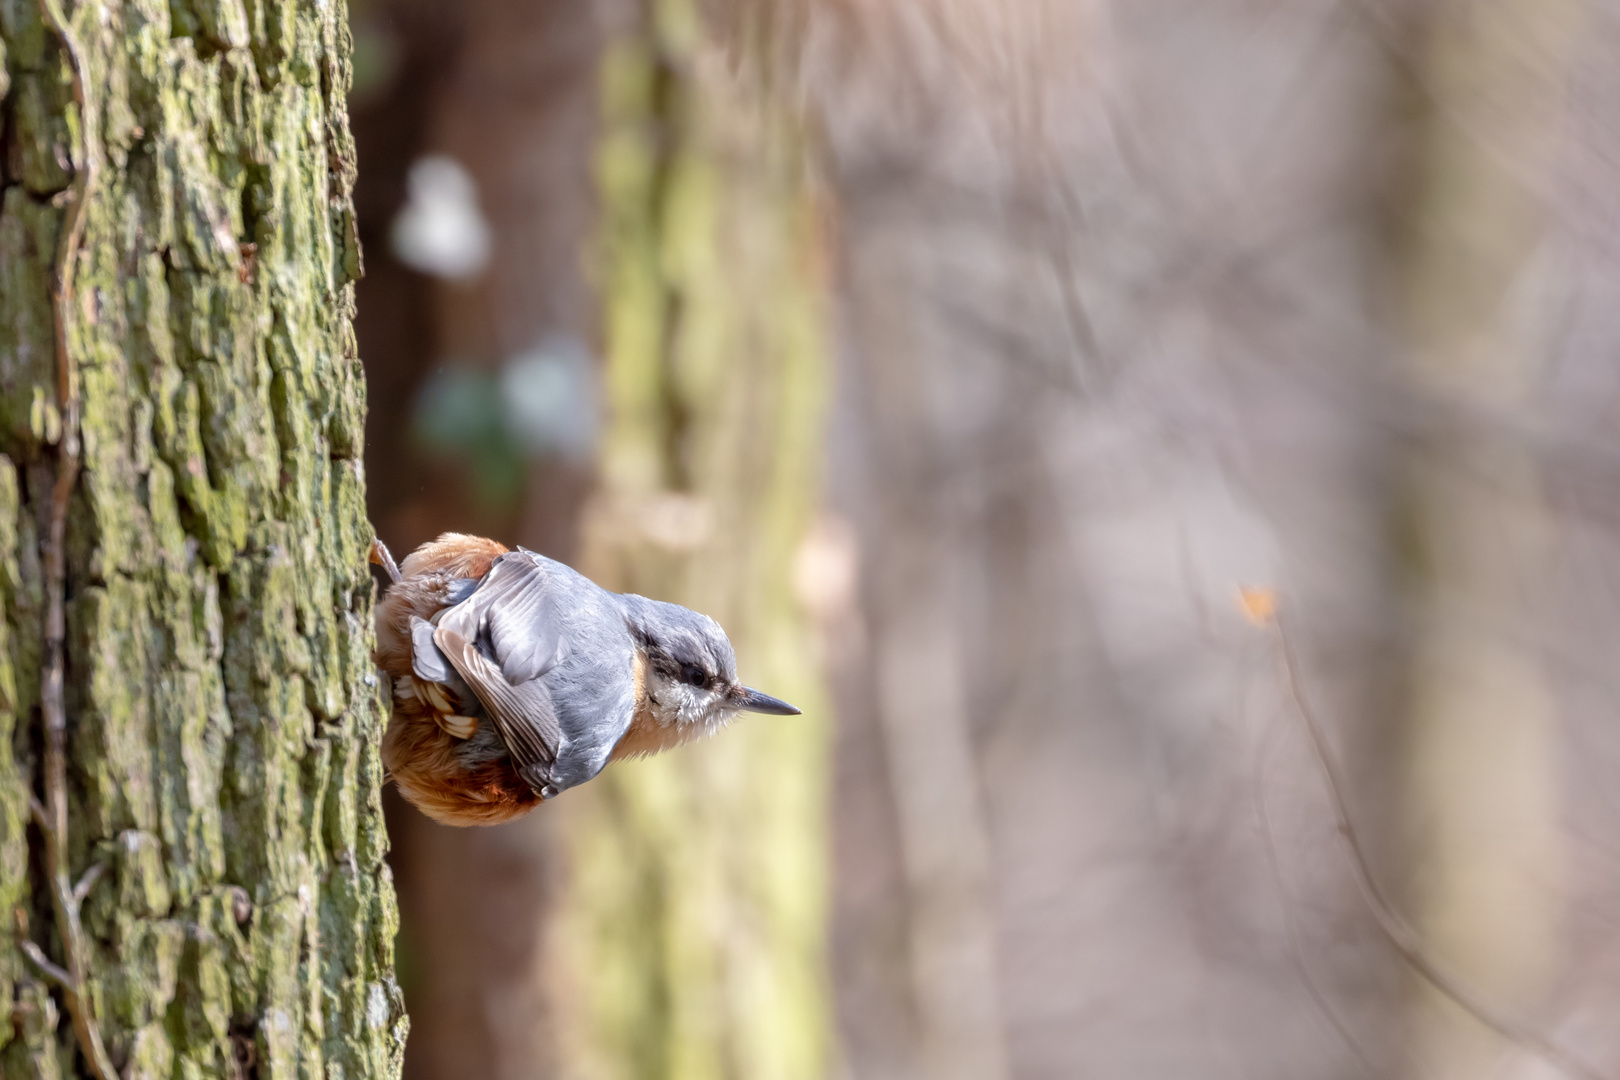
(673, 703)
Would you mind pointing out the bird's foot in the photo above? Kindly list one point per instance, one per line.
(381, 556)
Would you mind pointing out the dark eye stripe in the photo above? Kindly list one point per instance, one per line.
(693, 675)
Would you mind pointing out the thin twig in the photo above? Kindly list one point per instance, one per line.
(46, 968)
(52, 814)
(72, 988)
(1401, 937)
(88, 881)
(1296, 944)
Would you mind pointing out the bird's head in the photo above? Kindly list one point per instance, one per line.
(691, 669)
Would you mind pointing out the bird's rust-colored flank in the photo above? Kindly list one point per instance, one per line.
(422, 755)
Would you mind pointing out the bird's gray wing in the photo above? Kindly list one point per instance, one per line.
(427, 662)
(523, 713)
(514, 607)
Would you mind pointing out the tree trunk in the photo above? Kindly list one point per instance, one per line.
(1484, 802)
(1103, 363)
(208, 759)
(689, 934)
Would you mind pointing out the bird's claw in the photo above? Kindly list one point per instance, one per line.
(381, 556)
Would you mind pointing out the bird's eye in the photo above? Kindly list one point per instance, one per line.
(694, 675)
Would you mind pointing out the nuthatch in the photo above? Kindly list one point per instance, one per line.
(514, 678)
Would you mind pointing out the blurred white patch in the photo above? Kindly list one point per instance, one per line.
(826, 580)
(549, 398)
(440, 230)
(675, 521)
(826, 568)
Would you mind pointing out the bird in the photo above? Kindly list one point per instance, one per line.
(514, 677)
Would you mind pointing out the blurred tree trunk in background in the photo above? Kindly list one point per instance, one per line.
(1148, 301)
(1107, 358)
(1488, 85)
(221, 773)
(689, 943)
(1140, 303)
(507, 90)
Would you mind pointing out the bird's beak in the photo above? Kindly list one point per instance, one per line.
(750, 700)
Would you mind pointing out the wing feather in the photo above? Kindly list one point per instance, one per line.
(523, 627)
(426, 661)
(523, 714)
(515, 608)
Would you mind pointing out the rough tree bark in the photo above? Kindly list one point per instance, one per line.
(689, 931)
(198, 405)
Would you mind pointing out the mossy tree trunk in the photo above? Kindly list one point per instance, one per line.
(202, 416)
(690, 935)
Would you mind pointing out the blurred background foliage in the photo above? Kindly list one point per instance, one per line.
(969, 359)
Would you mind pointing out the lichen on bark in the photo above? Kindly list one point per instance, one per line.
(223, 719)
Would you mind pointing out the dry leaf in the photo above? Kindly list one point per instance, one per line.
(1259, 605)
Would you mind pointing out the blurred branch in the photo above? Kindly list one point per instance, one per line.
(1296, 945)
(944, 833)
(1401, 937)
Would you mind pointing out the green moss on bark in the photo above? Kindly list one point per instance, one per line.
(223, 718)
